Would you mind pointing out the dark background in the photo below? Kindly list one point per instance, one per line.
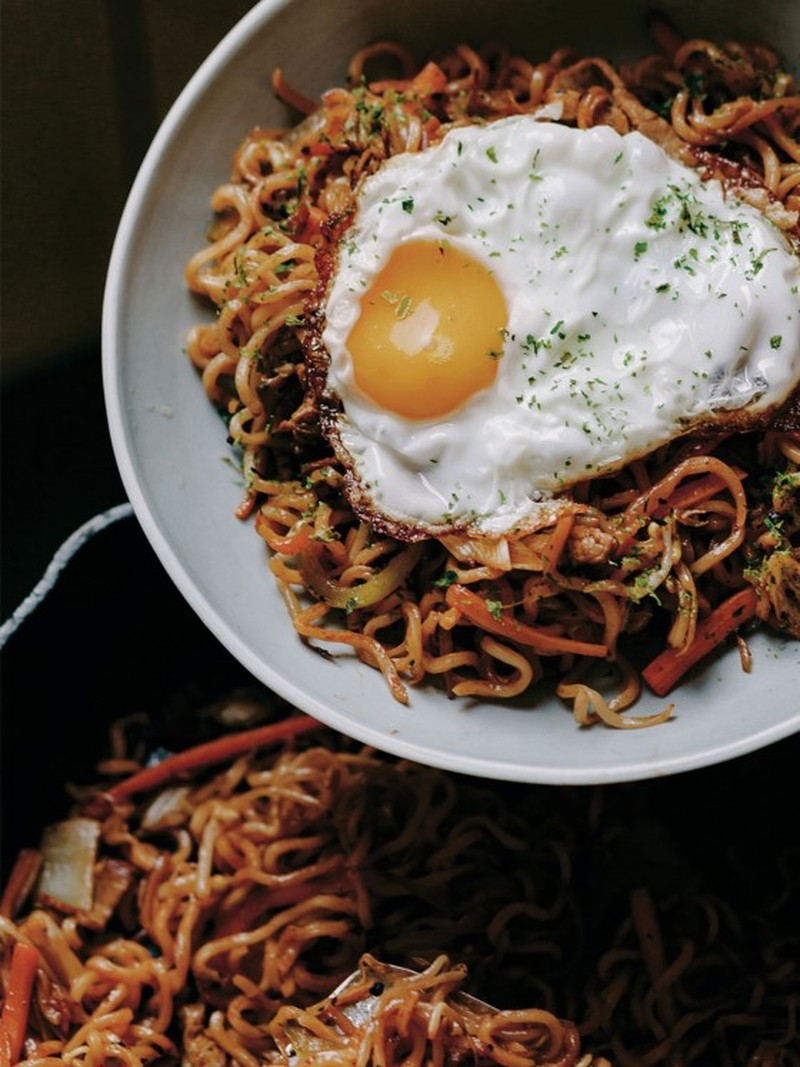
(85, 85)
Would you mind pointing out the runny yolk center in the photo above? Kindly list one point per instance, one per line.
(430, 331)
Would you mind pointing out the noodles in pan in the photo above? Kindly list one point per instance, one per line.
(671, 555)
(202, 909)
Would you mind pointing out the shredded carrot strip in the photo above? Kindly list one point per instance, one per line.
(21, 881)
(14, 1020)
(666, 670)
(245, 508)
(431, 79)
(224, 748)
(542, 641)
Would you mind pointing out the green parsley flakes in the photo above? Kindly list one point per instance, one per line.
(495, 608)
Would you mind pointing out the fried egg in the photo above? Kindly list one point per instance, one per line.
(526, 305)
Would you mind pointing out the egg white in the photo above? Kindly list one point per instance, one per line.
(643, 302)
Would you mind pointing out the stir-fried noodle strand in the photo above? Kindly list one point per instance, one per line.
(207, 914)
(644, 555)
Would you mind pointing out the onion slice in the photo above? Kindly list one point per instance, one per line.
(69, 851)
(348, 598)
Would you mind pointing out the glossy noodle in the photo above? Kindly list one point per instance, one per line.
(646, 571)
(202, 909)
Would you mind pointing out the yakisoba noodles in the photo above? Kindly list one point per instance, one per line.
(672, 554)
(412, 1017)
(202, 910)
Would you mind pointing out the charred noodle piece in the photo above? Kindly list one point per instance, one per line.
(224, 748)
(667, 669)
(14, 1020)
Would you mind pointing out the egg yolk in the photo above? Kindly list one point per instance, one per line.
(430, 331)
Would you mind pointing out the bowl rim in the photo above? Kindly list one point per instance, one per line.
(113, 304)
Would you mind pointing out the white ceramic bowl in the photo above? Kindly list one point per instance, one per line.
(170, 445)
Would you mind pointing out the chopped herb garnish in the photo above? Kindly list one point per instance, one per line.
(495, 608)
(446, 580)
(657, 219)
(757, 264)
(695, 83)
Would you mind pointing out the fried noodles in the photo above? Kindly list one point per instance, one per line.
(230, 894)
(648, 554)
